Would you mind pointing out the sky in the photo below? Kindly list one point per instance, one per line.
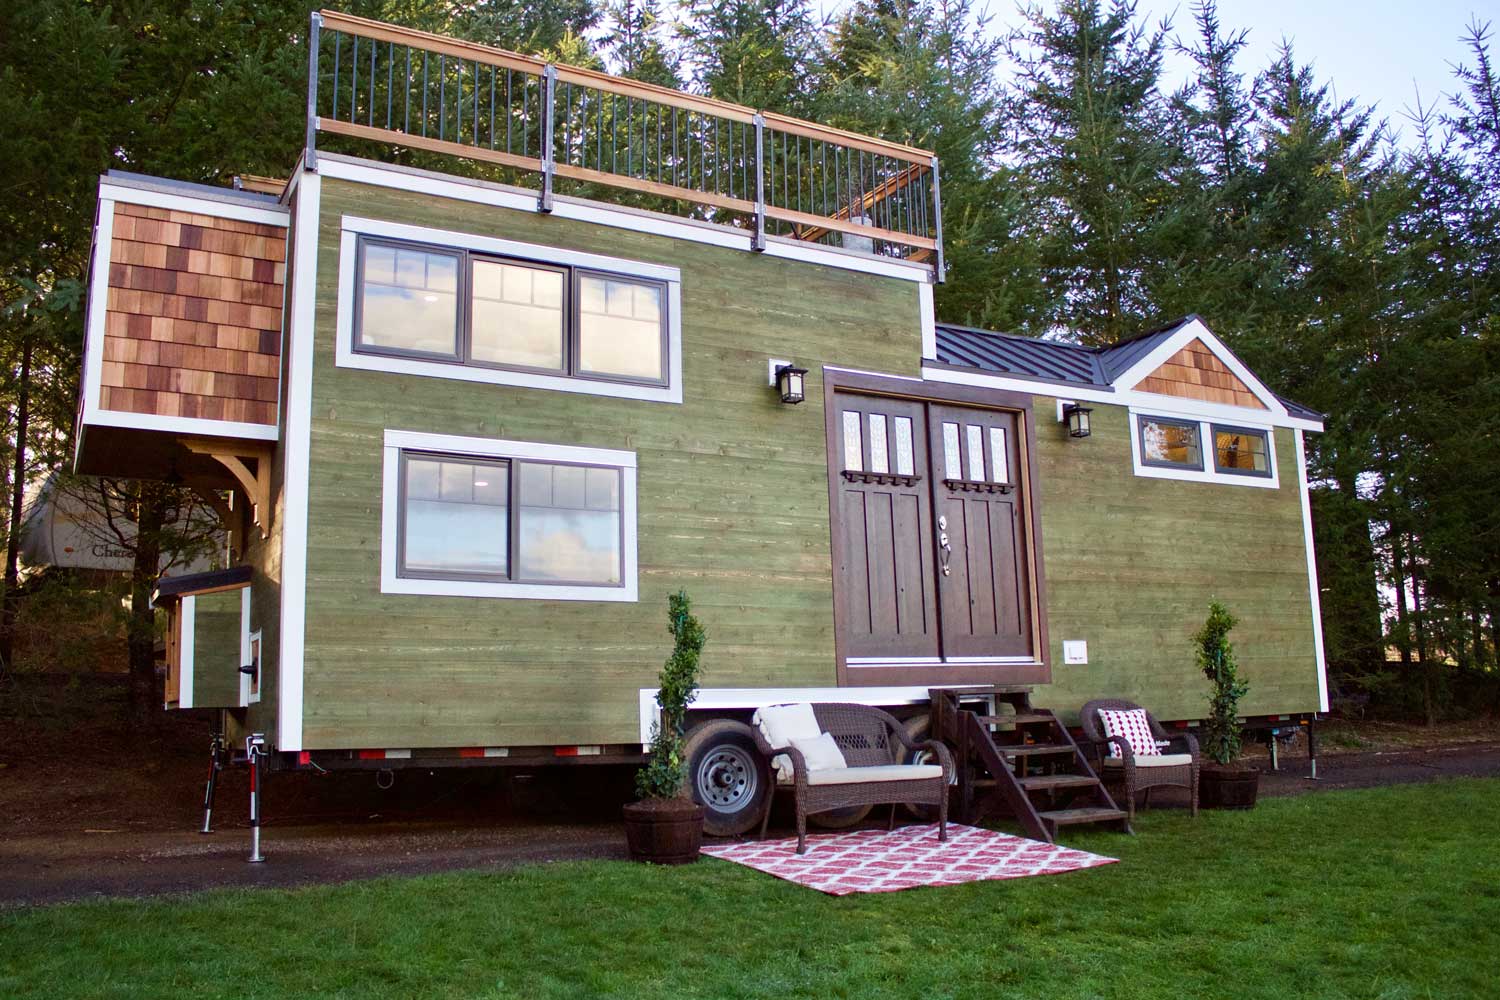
(1381, 52)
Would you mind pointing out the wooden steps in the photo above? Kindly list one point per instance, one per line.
(1023, 763)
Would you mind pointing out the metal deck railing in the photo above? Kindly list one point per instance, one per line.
(765, 172)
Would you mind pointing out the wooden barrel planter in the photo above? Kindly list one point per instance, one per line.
(1227, 787)
(664, 832)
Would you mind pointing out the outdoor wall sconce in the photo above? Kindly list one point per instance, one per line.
(789, 380)
(1077, 417)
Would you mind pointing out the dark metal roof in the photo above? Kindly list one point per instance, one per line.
(1015, 355)
(192, 583)
(1058, 361)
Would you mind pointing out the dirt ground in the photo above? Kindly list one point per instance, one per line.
(89, 808)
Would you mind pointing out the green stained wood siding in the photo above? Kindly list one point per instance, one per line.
(1132, 563)
(732, 493)
(216, 650)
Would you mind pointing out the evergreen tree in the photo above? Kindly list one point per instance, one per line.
(764, 54)
(635, 37)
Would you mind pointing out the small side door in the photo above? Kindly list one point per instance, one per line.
(880, 459)
(983, 583)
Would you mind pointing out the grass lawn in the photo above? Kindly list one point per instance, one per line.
(1389, 893)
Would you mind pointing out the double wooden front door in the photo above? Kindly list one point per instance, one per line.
(933, 563)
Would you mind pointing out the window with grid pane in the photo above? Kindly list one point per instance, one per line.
(408, 300)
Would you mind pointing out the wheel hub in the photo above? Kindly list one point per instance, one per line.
(726, 778)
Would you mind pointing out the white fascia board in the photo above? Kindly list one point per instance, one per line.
(1165, 405)
(197, 426)
(1312, 575)
(345, 356)
(98, 308)
(721, 699)
(927, 317)
(269, 216)
(187, 608)
(1190, 331)
(298, 340)
(486, 193)
(392, 583)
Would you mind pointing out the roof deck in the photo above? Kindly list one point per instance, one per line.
(614, 139)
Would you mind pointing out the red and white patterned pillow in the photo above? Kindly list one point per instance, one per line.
(1132, 725)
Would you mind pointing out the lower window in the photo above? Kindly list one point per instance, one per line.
(485, 518)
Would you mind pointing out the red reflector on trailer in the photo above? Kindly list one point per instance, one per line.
(372, 755)
(471, 752)
(304, 758)
(565, 751)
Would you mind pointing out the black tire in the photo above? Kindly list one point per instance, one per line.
(727, 776)
(917, 728)
(839, 819)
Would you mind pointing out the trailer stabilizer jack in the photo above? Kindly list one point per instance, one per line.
(215, 765)
(255, 749)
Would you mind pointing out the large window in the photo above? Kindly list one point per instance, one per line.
(1171, 444)
(1241, 451)
(476, 517)
(495, 312)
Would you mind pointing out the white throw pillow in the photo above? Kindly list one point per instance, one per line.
(1133, 726)
(822, 753)
(780, 724)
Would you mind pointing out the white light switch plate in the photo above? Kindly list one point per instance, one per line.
(1075, 651)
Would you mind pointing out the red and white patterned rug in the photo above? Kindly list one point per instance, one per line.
(877, 861)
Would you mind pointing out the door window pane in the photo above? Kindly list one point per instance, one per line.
(517, 315)
(1241, 452)
(1171, 443)
(620, 328)
(408, 300)
(456, 520)
(853, 443)
(976, 451)
(569, 524)
(999, 457)
(951, 467)
(905, 462)
(879, 458)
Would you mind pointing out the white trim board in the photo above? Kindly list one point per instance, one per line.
(187, 610)
(1155, 402)
(298, 338)
(1208, 474)
(927, 318)
(390, 583)
(1312, 574)
(345, 356)
(741, 698)
(486, 193)
(269, 216)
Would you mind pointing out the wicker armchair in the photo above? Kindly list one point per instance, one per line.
(1141, 774)
(869, 738)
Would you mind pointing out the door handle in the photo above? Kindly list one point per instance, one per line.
(942, 543)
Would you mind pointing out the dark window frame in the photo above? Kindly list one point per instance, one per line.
(461, 293)
(572, 326)
(513, 520)
(1263, 433)
(1140, 436)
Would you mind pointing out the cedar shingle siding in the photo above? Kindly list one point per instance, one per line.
(193, 324)
(1196, 373)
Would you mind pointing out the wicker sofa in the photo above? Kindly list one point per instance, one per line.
(873, 745)
(1177, 766)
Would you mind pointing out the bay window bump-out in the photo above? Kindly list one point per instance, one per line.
(486, 518)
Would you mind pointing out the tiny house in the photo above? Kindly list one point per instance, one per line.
(476, 426)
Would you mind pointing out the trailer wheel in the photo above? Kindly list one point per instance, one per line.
(727, 776)
(917, 728)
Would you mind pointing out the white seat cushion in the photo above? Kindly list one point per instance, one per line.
(821, 754)
(1159, 760)
(780, 724)
(880, 772)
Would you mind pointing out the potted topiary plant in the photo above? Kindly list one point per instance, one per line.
(666, 826)
(1224, 783)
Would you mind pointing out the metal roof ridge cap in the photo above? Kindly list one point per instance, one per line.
(191, 189)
